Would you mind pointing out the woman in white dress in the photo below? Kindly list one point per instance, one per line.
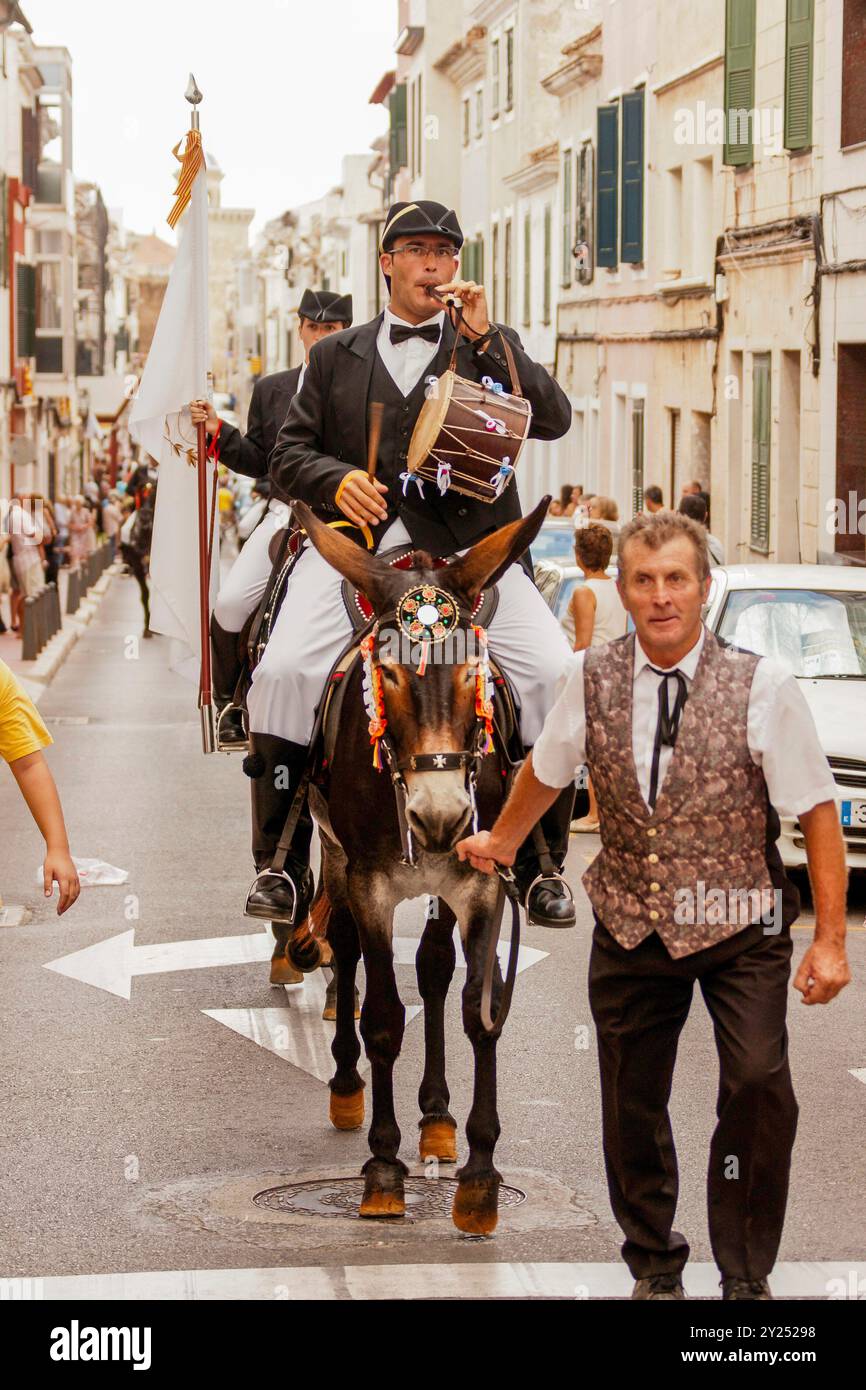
(597, 616)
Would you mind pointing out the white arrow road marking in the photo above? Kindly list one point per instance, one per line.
(859, 1072)
(300, 1035)
(112, 964)
(297, 1033)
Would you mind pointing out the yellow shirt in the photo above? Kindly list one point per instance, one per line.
(21, 729)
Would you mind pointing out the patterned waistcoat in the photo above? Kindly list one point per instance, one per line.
(683, 869)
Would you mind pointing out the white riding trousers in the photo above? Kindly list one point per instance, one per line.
(313, 628)
(248, 577)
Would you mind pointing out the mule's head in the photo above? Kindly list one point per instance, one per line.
(434, 712)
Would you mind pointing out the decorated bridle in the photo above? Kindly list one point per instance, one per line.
(426, 615)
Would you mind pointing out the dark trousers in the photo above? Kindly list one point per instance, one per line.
(640, 1000)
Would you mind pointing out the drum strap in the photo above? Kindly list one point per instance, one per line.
(485, 338)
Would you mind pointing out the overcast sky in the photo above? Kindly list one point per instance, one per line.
(286, 86)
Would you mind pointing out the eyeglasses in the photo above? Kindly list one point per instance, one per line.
(416, 252)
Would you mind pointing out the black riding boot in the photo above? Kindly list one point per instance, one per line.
(227, 667)
(276, 768)
(549, 904)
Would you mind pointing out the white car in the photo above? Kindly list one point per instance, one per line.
(812, 618)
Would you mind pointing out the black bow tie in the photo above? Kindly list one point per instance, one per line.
(430, 332)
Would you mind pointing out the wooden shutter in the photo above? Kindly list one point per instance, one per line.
(29, 147)
(494, 80)
(799, 50)
(760, 529)
(567, 164)
(632, 177)
(419, 119)
(606, 186)
(527, 270)
(25, 287)
(494, 271)
(397, 142)
(4, 230)
(506, 275)
(545, 315)
(739, 80)
(509, 69)
(467, 122)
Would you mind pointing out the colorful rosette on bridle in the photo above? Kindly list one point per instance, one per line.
(484, 690)
(374, 700)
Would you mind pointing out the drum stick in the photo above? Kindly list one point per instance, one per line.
(373, 436)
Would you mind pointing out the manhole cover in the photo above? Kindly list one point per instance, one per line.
(426, 1198)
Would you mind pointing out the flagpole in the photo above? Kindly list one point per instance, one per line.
(205, 698)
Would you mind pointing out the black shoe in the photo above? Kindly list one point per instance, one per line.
(665, 1286)
(231, 733)
(745, 1290)
(549, 905)
(284, 898)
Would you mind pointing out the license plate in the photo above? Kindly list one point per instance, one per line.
(854, 813)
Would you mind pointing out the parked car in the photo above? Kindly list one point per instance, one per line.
(812, 618)
(558, 582)
(555, 541)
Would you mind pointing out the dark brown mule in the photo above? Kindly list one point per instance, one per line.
(364, 875)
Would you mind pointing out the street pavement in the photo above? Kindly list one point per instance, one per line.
(136, 1130)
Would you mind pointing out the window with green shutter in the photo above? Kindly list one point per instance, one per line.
(467, 122)
(799, 49)
(632, 177)
(545, 309)
(606, 187)
(527, 270)
(494, 79)
(739, 80)
(509, 69)
(506, 275)
(584, 199)
(567, 208)
(397, 142)
(761, 382)
(494, 272)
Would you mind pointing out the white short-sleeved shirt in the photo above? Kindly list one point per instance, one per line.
(779, 720)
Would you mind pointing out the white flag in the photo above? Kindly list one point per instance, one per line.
(176, 373)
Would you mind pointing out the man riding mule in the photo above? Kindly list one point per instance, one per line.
(321, 458)
(389, 822)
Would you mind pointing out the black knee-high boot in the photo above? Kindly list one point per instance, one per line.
(226, 669)
(549, 904)
(276, 768)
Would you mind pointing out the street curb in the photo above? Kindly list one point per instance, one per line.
(38, 677)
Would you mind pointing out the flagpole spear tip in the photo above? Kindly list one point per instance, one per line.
(193, 96)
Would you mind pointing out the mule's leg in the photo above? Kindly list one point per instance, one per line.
(434, 964)
(329, 1012)
(347, 1088)
(282, 971)
(382, 1022)
(476, 1201)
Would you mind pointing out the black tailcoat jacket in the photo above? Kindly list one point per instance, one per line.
(269, 405)
(324, 436)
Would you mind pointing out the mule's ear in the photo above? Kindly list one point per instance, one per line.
(487, 561)
(358, 566)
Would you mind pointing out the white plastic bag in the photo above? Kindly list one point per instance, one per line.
(94, 873)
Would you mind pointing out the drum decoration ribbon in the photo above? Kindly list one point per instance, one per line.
(374, 700)
(443, 476)
(484, 689)
(407, 478)
(505, 472)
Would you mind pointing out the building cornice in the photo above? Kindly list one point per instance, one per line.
(465, 60)
(686, 74)
(489, 11)
(542, 170)
(583, 64)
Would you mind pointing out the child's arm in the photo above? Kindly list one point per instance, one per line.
(40, 792)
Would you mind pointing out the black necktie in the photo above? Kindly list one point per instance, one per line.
(430, 332)
(668, 723)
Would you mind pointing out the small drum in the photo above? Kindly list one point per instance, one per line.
(468, 437)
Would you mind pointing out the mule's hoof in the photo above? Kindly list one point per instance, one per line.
(305, 951)
(283, 972)
(438, 1139)
(327, 954)
(476, 1207)
(347, 1112)
(378, 1203)
(329, 1012)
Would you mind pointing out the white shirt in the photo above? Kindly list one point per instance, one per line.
(779, 722)
(406, 361)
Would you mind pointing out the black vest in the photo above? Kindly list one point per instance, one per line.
(398, 421)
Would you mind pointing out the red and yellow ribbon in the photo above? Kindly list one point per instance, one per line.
(191, 162)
